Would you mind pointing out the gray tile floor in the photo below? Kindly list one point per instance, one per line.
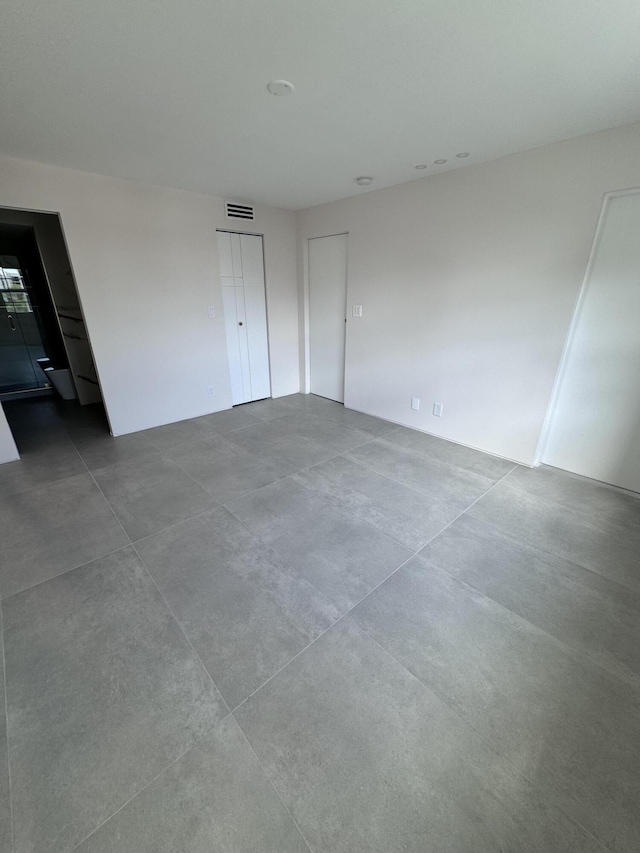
(293, 627)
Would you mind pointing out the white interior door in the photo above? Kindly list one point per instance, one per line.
(594, 424)
(245, 315)
(327, 315)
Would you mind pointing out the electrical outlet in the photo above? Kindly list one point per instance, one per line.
(437, 409)
(211, 311)
(211, 391)
(415, 403)
(357, 310)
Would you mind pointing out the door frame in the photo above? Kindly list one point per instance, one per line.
(573, 326)
(305, 304)
(266, 293)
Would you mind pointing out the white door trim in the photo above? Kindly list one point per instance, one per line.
(555, 393)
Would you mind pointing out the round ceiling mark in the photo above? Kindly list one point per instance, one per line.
(421, 166)
(364, 181)
(439, 162)
(463, 154)
(280, 87)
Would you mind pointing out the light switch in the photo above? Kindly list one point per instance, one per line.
(211, 311)
(357, 310)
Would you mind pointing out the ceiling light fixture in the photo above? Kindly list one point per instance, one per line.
(421, 166)
(364, 181)
(439, 162)
(464, 154)
(280, 87)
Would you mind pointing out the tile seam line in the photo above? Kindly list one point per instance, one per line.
(343, 615)
(321, 634)
(463, 719)
(216, 505)
(427, 455)
(182, 630)
(47, 483)
(100, 556)
(585, 659)
(271, 782)
(212, 430)
(417, 551)
(323, 447)
(527, 544)
(364, 467)
(566, 508)
(164, 600)
(151, 781)
(66, 571)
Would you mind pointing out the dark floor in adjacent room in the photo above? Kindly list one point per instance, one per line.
(292, 627)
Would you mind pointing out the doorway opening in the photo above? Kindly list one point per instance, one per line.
(22, 330)
(327, 315)
(44, 344)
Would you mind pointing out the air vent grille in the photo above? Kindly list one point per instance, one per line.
(239, 211)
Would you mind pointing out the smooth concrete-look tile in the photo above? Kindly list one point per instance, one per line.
(566, 724)
(341, 555)
(337, 412)
(369, 760)
(424, 473)
(148, 495)
(455, 454)
(215, 799)
(98, 449)
(54, 528)
(267, 410)
(76, 417)
(5, 793)
(325, 433)
(171, 434)
(103, 692)
(229, 420)
(36, 419)
(286, 454)
(583, 609)
(42, 461)
(597, 500)
(245, 611)
(608, 549)
(404, 514)
(225, 470)
(264, 435)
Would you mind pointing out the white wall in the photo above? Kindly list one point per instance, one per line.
(595, 426)
(468, 282)
(8, 449)
(146, 266)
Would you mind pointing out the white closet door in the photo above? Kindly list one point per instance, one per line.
(243, 289)
(233, 341)
(256, 314)
(327, 315)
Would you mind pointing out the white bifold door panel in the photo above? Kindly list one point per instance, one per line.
(327, 315)
(245, 315)
(595, 422)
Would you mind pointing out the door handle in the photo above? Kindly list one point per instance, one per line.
(11, 323)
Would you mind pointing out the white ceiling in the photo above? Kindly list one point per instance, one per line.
(173, 92)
